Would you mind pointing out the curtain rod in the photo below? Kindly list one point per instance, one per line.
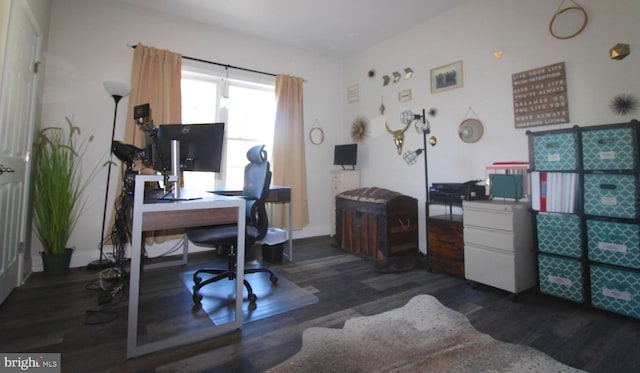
(226, 66)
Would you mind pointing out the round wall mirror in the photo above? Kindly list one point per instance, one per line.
(568, 22)
(470, 130)
(316, 135)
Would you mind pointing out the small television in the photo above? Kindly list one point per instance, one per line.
(200, 146)
(345, 155)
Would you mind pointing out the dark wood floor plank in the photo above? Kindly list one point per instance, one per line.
(48, 314)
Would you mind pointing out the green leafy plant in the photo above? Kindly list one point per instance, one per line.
(58, 185)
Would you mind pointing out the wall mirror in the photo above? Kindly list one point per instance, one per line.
(568, 22)
(470, 130)
(316, 135)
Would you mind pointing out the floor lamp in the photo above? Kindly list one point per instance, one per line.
(423, 126)
(117, 90)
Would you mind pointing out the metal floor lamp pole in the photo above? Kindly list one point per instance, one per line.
(426, 186)
(103, 262)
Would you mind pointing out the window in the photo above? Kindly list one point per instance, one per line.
(248, 109)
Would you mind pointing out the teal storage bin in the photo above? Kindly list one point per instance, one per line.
(612, 195)
(609, 149)
(561, 277)
(614, 243)
(555, 151)
(559, 234)
(507, 186)
(615, 289)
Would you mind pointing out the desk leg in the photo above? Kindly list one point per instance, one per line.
(134, 284)
(133, 349)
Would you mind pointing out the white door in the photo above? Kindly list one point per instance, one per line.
(17, 97)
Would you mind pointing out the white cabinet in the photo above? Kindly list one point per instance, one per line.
(341, 181)
(498, 244)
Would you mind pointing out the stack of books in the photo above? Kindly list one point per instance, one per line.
(554, 191)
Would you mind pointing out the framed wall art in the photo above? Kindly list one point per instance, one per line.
(404, 96)
(540, 96)
(353, 93)
(446, 77)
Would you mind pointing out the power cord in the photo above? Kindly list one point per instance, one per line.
(112, 282)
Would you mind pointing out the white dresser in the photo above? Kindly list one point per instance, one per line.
(498, 244)
(341, 181)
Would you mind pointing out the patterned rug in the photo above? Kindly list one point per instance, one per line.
(422, 336)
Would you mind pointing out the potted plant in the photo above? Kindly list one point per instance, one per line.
(58, 186)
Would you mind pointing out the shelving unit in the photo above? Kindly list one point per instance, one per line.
(588, 249)
(341, 181)
(445, 252)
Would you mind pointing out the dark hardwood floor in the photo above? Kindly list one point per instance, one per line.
(48, 314)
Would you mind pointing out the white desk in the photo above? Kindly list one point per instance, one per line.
(210, 209)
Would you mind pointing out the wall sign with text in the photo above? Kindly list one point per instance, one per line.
(540, 96)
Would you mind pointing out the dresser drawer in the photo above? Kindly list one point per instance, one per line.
(555, 151)
(609, 149)
(559, 234)
(497, 268)
(614, 243)
(501, 220)
(445, 249)
(501, 240)
(561, 277)
(615, 289)
(612, 195)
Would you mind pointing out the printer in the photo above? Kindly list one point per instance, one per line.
(455, 193)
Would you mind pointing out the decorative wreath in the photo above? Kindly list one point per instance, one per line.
(359, 128)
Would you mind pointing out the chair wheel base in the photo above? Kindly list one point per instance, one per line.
(253, 298)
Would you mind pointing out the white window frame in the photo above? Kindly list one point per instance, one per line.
(218, 74)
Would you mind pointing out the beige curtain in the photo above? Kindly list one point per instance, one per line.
(155, 79)
(289, 167)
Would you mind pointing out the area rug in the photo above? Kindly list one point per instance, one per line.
(218, 299)
(422, 336)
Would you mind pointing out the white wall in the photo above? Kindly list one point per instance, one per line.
(88, 41)
(471, 33)
(88, 45)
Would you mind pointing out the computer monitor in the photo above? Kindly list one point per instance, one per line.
(200, 146)
(345, 155)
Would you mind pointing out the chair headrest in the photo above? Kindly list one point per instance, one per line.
(257, 154)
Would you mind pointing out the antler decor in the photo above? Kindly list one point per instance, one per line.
(398, 135)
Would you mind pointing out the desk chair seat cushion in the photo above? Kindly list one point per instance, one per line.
(221, 234)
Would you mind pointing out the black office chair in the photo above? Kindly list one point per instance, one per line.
(257, 178)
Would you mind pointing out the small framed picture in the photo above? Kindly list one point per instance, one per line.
(446, 77)
(404, 96)
(353, 93)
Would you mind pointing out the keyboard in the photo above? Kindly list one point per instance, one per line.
(157, 194)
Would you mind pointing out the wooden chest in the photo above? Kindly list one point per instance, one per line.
(376, 223)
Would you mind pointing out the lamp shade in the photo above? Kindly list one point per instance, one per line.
(117, 88)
